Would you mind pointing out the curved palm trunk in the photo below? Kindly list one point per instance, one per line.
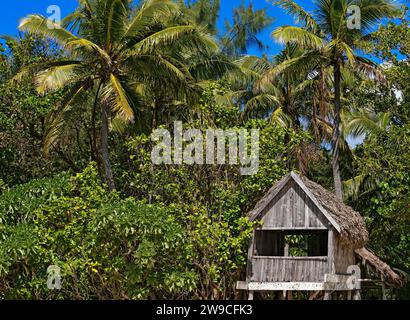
(94, 149)
(336, 132)
(105, 156)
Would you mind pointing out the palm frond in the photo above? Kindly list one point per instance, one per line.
(359, 185)
(301, 15)
(373, 11)
(280, 118)
(87, 45)
(370, 69)
(57, 119)
(116, 15)
(115, 95)
(55, 77)
(363, 122)
(301, 36)
(40, 25)
(150, 11)
(261, 104)
(192, 37)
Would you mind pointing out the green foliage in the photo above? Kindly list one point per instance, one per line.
(392, 44)
(18, 204)
(382, 163)
(3, 186)
(179, 232)
(204, 12)
(385, 159)
(148, 246)
(210, 201)
(23, 112)
(106, 248)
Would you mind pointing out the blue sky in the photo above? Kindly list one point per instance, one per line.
(14, 10)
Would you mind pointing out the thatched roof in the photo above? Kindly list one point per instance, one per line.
(380, 268)
(346, 221)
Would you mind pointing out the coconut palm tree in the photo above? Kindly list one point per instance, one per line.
(111, 50)
(246, 25)
(288, 88)
(364, 123)
(326, 33)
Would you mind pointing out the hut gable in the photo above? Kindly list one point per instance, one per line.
(296, 202)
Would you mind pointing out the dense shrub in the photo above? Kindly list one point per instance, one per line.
(107, 248)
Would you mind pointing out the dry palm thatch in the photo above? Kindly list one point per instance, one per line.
(379, 268)
(350, 221)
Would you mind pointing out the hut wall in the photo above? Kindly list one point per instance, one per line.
(284, 269)
(293, 209)
(343, 255)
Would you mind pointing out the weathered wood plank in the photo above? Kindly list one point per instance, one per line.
(281, 269)
(241, 285)
(330, 251)
(294, 286)
(307, 212)
(318, 205)
(285, 286)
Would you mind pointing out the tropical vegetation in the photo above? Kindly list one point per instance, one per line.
(79, 100)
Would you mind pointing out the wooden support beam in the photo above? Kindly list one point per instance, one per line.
(242, 285)
(286, 286)
(328, 295)
(357, 295)
(250, 296)
(294, 286)
(289, 295)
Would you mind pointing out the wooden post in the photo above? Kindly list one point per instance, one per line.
(349, 295)
(250, 296)
(331, 251)
(327, 296)
(290, 296)
(384, 291)
(384, 297)
(356, 295)
(314, 295)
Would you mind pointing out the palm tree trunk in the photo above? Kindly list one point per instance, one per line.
(336, 132)
(94, 150)
(105, 156)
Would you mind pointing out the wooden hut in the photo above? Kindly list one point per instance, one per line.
(308, 240)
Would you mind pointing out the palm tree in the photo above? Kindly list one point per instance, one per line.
(115, 51)
(288, 88)
(204, 12)
(364, 123)
(325, 33)
(261, 91)
(247, 24)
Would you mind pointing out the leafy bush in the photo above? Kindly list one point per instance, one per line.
(18, 204)
(106, 248)
(210, 201)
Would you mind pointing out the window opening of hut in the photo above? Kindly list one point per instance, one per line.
(291, 243)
